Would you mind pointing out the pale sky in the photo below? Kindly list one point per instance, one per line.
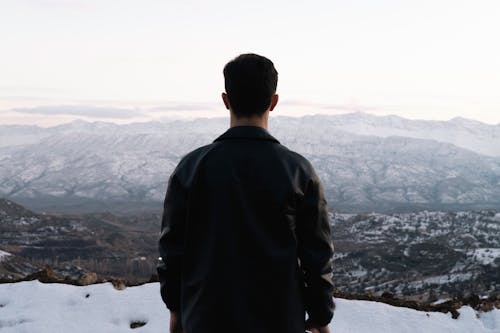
(122, 60)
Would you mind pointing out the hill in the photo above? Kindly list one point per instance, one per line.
(75, 244)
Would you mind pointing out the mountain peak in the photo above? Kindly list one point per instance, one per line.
(11, 208)
(465, 121)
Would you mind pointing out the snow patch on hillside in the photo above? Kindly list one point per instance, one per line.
(46, 308)
(486, 256)
(3, 255)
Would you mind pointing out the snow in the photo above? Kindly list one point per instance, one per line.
(3, 255)
(445, 279)
(51, 308)
(486, 256)
(441, 301)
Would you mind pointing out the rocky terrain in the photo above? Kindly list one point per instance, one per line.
(425, 254)
(76, 245)
(422, 256)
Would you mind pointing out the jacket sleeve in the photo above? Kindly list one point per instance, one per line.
(171, 243)
(315, 250)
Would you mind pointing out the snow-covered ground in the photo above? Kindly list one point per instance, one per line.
(54, 308)
(485, 255)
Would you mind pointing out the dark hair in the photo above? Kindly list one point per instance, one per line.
(250, 81)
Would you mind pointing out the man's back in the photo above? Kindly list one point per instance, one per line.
(245, 238)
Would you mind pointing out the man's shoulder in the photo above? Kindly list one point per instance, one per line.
(195, 156)
(196, 153)
(296, 158)
(281, 151)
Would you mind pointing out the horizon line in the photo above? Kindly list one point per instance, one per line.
(176, 117)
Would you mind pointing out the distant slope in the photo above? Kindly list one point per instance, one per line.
(465, 133)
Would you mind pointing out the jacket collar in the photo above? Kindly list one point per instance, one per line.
(247, 132)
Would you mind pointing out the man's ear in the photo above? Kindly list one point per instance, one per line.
(225, 99)
(274, 101)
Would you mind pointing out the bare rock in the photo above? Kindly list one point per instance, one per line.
(87, 278)
(119, 284)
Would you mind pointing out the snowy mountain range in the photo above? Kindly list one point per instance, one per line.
(366, 162)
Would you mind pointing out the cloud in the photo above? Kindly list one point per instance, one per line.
(354, 107)
(84, 111)
(71, 4)
(183, 107)
(14, 89)
(350, 107)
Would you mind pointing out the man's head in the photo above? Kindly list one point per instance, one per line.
(250, 82)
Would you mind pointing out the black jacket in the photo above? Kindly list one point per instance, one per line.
(245, 241)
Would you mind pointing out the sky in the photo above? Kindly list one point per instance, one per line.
(123, 60)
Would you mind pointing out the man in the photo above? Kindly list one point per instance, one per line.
(245, 241)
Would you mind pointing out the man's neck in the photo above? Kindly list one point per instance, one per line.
(260, 121)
